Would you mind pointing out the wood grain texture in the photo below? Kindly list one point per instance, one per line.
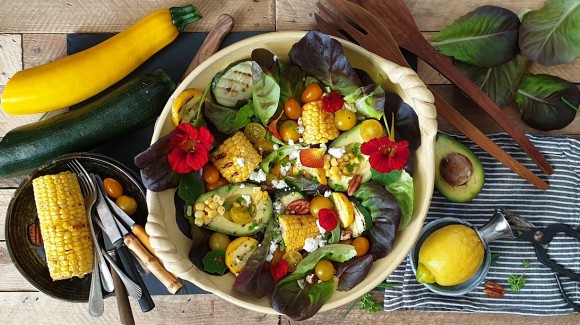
(39, 49)
(72, 16)
(10, 56)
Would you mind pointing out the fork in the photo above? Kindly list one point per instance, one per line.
(387, 47)
(96, 300)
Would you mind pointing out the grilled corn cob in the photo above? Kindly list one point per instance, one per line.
(235, 158)
(318, 124)
(64, 225)
(296, 228)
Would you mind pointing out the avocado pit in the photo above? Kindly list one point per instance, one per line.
(456, 169)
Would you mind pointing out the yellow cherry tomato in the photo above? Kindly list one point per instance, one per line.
(289, 131)
(361, 245)
(344, 119)
(127, 204)
(210, 174)
(311, 93)
(113, 188)
(318, 203)
(292, 109)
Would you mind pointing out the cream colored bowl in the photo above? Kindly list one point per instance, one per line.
(172, 246)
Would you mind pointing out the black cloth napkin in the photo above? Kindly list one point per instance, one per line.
(559, 204)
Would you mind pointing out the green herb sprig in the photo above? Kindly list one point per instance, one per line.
(516, 282)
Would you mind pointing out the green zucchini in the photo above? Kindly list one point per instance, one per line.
(234, 84)
(123, 110)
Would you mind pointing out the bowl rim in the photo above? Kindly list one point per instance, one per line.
(26, 183)
(422, 103)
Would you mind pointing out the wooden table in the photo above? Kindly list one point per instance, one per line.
(34, 32)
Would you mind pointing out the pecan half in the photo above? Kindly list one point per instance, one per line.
(493, 289)
(34, 235)
(354, 184)
(299, 207)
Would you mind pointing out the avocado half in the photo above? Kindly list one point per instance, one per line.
(459, 175)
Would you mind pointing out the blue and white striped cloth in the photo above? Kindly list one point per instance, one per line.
(559, 204)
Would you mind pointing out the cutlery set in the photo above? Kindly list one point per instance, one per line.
(118, 248)
(392, 26)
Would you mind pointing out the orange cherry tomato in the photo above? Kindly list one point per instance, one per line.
(361, 245)
(311, 93)
(127, 204)
(113, 188)
(221, 181)
(292, 109)
(210, 174)
(289, 131)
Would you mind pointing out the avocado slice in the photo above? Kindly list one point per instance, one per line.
(459, 175)
(261, 210)
(351, 140)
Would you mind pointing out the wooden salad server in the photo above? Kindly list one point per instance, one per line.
(375, 37)
(397, 17)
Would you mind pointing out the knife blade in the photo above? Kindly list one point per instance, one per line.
(123, 305)
(110, 227)
(129, 223)
(151, 262)
(135, 244)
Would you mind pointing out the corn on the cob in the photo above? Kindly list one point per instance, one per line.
(318, 124)
(235, 158)
(64, 225)
(345, 166)
(296, 228)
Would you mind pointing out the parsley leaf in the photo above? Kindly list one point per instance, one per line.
(516, 282)
(367, 303)
(525, 263)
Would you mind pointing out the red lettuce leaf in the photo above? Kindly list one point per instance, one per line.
(406, 120)
(156, 174)
(352, 272)
(323, 58)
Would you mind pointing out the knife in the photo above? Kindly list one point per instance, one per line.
(114, 234)
(125, 313)
(129, 223)
(134, 244)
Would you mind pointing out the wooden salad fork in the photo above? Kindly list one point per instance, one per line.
(397, 17)
(373, 35)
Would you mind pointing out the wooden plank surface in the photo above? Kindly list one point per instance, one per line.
(33, 33)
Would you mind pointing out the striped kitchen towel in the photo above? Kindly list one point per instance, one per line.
(559, 204)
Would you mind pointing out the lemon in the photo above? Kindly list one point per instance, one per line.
(450, 255)
(185, 104)
(344, 208)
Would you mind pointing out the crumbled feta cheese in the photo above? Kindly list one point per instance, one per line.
(240, 162)
(310, 278)
(278, 208)
(336, 152)
(322, 230)
(344, 235)
(294, 155)
(291, 142)
(279, 184)
(300, 130)
(285, 169)
(299, 121)
(300, 140)
(247, 198)
(275, 146)
(327, 193)
(258, 176)
(242, 185)
(275, 57)
(312, 244)
(300, 283)
(273, 247)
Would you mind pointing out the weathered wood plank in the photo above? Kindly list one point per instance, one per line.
(299, 14)
(38, 308)
(39, 49)
(5, 197)
(73, 16)
(11, 279)
(10, 56)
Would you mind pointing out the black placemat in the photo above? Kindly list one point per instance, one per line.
(174, 59)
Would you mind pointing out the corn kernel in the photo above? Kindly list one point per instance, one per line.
(199, 206)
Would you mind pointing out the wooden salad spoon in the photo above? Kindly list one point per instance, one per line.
(376, 38)
(397, 17)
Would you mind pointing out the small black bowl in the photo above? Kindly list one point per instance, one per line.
(29, 259)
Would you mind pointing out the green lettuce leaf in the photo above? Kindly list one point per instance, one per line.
(484, 37)
(551, 35)
(547, 102)
(368, 101)
(400, 184)
(501, 82)
(229, 120)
